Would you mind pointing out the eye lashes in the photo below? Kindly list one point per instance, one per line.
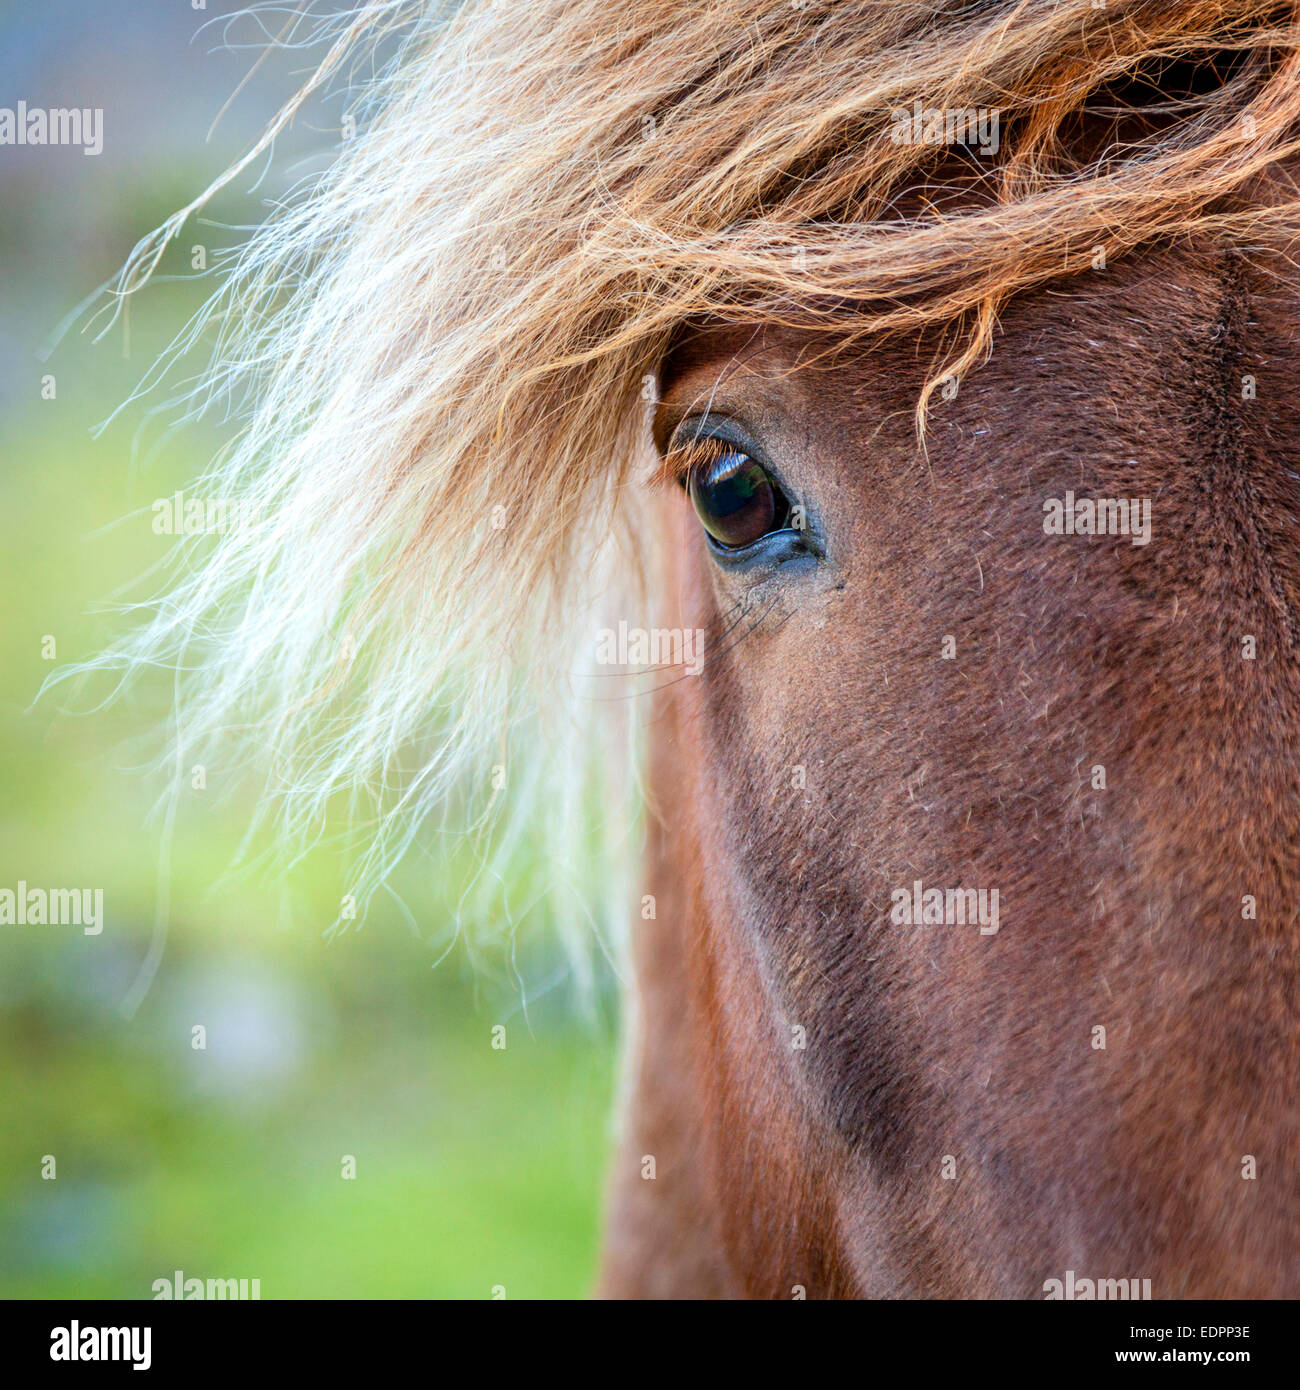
(691, 455)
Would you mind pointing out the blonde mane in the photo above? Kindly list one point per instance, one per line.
(447, 342)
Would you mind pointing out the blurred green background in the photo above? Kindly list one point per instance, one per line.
(475, 1167)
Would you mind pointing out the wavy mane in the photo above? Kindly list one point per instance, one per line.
(446, 341)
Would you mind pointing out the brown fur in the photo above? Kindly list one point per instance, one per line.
(1120, 907)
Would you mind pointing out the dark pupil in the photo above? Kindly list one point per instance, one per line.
(734, 499)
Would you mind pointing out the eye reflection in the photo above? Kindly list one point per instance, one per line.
(735, 497)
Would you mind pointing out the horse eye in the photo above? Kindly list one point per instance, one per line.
(736, 499)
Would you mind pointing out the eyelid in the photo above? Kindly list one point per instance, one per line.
(702, 432)
(687, 456)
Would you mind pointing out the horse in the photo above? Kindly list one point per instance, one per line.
(934, 363)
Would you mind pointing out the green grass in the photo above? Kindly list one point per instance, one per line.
(476, 1167)
(473, 1168)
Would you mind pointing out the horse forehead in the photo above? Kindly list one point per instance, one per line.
(765, 365)
(780, 358)
(1146, 304)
